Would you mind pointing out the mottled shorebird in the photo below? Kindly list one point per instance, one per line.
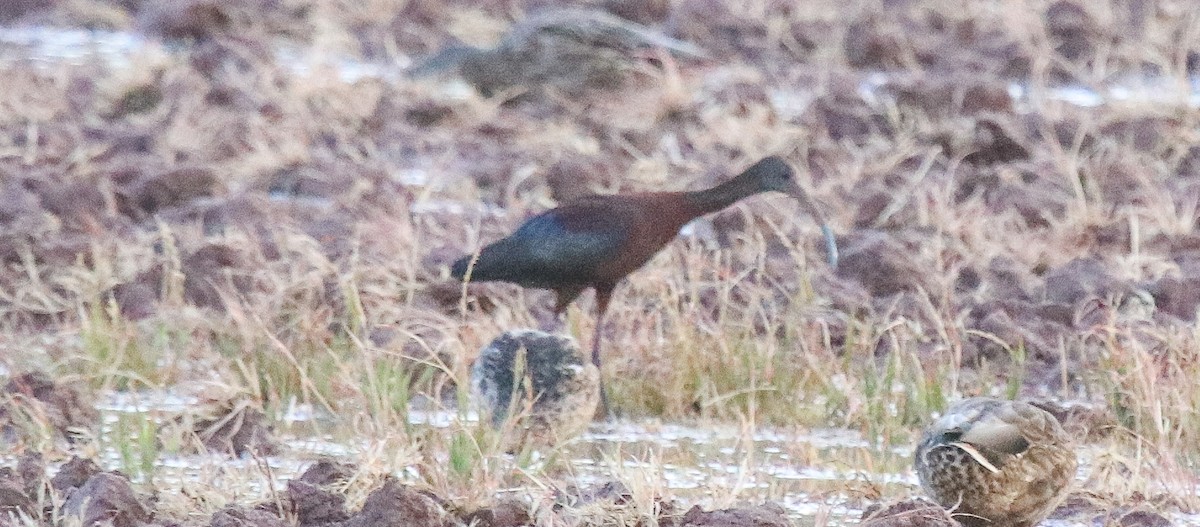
(595, 241)
(542, 379)
(996, 463)
(571, 49)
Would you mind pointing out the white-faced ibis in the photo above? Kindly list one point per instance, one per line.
(595, 241)
(996, 463)
(569, 48)
(565, 386)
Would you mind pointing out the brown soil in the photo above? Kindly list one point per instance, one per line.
(108, 497)
(235, 429)
(767, 515)
(1084, 508)
(32, 399)
(915, 512)
(316, 499)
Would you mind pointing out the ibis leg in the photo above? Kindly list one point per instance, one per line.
(603, 294)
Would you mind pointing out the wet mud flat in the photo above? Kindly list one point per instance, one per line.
(783, 478)
(249, 203)
(92, 496)
(37, 492)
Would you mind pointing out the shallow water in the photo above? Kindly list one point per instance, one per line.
(54, 46)
(1150, 91)
(691, 463)
(811, 473)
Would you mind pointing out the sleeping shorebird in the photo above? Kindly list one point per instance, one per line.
(996, 463)
(571, 49)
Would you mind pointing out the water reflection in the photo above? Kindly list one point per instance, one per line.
(811, 473)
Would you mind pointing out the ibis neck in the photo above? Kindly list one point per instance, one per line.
(721, 196)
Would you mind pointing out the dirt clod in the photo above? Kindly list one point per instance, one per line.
(1143, 518)
(171, 188)
(313, 505)
(1089, 509)
(34, 395)
(505, 513)
(106, 498)
(398, 505)
(211, 273)
(328, 472)
(74, 474)
(913, 512)
(572, 177)
(766, 515)
(1080, 420)
(881, 264)
(1178, 296)
(31, 467)
(237, 516)
(608, 492)
(1079, 280)
(1072, 28)
(993, 144)
(13, 498)
(235, 429)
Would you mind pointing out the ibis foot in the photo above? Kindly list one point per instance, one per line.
(603, 411)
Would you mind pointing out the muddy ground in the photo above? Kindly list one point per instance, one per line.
(216, 184)
(81, 492)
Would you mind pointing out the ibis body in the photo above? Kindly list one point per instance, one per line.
(596, 241)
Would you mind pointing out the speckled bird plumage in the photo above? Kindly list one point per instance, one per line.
(569, 48)
(996, 463)
(555, 387)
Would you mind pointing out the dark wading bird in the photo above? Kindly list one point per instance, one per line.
(996, 463)
(595, 241)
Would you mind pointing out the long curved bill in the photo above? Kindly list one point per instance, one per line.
(831, 249)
